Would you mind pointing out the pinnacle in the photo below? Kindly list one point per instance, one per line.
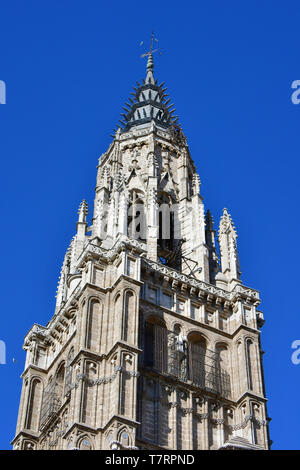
(209, 221)
(83, 211)
(83, 207)
(226, 223)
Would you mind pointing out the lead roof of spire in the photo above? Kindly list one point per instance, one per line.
(149, 102)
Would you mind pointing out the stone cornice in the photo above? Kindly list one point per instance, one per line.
(253, 395)
(246, 328)
(100, 356)
(30, 434)
(235, 294)
(123, 419)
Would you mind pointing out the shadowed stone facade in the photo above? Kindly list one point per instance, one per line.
(155, 341)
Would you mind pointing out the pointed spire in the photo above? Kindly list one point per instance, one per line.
(150, 101)
(83, 212)
(228, 247)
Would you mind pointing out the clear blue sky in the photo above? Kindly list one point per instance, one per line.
(69, 67)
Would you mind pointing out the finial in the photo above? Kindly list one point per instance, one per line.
(196, 184)
(226, 224)
(83, 211)
(150, 64)
(149, 54)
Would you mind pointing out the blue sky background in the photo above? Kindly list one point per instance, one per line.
(69, 67)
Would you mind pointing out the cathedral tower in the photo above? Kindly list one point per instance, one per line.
(155, 341)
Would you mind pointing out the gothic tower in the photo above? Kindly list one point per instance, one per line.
(155, 341)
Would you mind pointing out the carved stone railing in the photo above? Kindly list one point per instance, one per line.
(93, 249)
(207, 288)
(107, 254)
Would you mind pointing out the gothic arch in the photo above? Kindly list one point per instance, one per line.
(117, 294)
(239, 367)
(155, 343)
(28, 445)
(251, 365)
(129, 306)
(60, 382)
(93, 323)
(85, 442)
(124, 437)
(242, 411)
(223, 349)
(192, 332)
(117, 313)
(88, 394)
(175, 323)
(35, 396)
(197, 347)
(224, 359)
(222, 342)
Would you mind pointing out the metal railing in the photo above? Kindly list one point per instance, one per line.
(51, 402)
(167, 352)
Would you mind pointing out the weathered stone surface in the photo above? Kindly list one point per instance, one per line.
(154, 342)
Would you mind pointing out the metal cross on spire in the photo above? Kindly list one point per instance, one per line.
(150, 52)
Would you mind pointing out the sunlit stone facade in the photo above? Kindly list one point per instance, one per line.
(155, 341)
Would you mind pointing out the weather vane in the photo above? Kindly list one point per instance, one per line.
(151, 51)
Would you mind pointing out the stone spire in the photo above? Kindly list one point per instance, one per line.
(228, 247)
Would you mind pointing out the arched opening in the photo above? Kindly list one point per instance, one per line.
(115, 332)
(177, 353)
(224, 384)
(197, 358)
(155, 344)
(85, 443)
(59, 383)
(93, 325)
(249, 355)
(53, 396)
(128, 308)
(34, 405)
(123, 438)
